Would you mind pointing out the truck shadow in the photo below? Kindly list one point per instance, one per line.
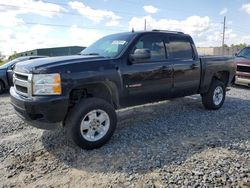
(151, 136)
(240, 87)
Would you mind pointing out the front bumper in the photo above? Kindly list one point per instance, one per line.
(242, 81)
(44, 112)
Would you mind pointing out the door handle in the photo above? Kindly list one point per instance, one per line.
(194, 66)
(164, 67)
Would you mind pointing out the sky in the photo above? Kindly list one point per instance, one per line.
(32, 24)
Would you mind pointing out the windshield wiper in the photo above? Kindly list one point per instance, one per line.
(91, 54)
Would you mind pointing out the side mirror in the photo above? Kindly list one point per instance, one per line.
(11, 67)
(236, 54)
(140, 54)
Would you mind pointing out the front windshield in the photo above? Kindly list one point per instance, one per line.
(244, 53)
(109, 46)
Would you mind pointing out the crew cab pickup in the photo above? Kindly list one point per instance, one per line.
(82, 92)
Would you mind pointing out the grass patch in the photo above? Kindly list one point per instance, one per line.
(2, 62)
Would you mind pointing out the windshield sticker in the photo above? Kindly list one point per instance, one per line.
(119, 42)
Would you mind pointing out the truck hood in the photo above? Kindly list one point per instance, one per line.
(242, 61)
(38, 65)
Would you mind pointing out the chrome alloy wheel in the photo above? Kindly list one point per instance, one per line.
(95, 125)
(218, 95)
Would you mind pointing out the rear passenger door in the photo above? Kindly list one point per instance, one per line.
(186, 65)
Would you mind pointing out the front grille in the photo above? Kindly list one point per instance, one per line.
(22, 89)
(22, 83)
(21, 77)
(242, 68)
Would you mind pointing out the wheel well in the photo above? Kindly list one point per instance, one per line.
(98, 90)
(222, 76)
(3, 83)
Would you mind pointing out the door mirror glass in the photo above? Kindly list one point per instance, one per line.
(140, 54)
(11, 67)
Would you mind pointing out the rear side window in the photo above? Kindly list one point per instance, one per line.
(180, 48)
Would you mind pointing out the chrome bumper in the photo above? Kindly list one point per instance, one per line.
(242, 81)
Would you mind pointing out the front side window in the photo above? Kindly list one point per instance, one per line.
(154, 44)
(244, 53)
(180, 48)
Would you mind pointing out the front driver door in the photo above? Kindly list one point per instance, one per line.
(151, 79)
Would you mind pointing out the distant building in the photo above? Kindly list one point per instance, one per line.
(217, 50)
(58, 51)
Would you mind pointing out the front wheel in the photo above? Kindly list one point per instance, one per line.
(91, 123)
(215, 96)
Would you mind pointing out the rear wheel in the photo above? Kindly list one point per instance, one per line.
(91, 123)
(215, 96)
(1, 87)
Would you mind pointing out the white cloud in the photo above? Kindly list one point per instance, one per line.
(191, 25)
(246, 8)
(31, 6)
(204, 32)
(95, 15)
(150, 9)
(83, 37)
(10, 11)
(9, 19)
(26, 39)
(39, 36)
(223, 11)
(113, 23)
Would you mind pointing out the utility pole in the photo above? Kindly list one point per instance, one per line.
(223, 34)
(145, 25)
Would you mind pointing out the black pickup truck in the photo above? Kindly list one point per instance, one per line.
(82, 92)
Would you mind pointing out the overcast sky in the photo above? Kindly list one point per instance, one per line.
(30, 24)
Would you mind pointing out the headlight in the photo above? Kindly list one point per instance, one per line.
(46, 84)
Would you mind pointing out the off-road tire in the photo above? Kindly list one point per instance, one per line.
(207, 98)
(76, 115)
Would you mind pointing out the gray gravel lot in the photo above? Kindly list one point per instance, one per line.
(173, 143)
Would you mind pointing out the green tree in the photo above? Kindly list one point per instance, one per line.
(13, 56)
(2, 59)
(241, 45)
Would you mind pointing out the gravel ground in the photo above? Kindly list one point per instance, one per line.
(173, 143)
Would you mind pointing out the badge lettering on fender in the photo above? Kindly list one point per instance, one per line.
(134, 85)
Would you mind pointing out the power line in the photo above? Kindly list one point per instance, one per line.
(43, 10)
(69, 26)
(78, 14)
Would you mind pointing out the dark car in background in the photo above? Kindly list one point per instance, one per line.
(6, 72)
(243, 67)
